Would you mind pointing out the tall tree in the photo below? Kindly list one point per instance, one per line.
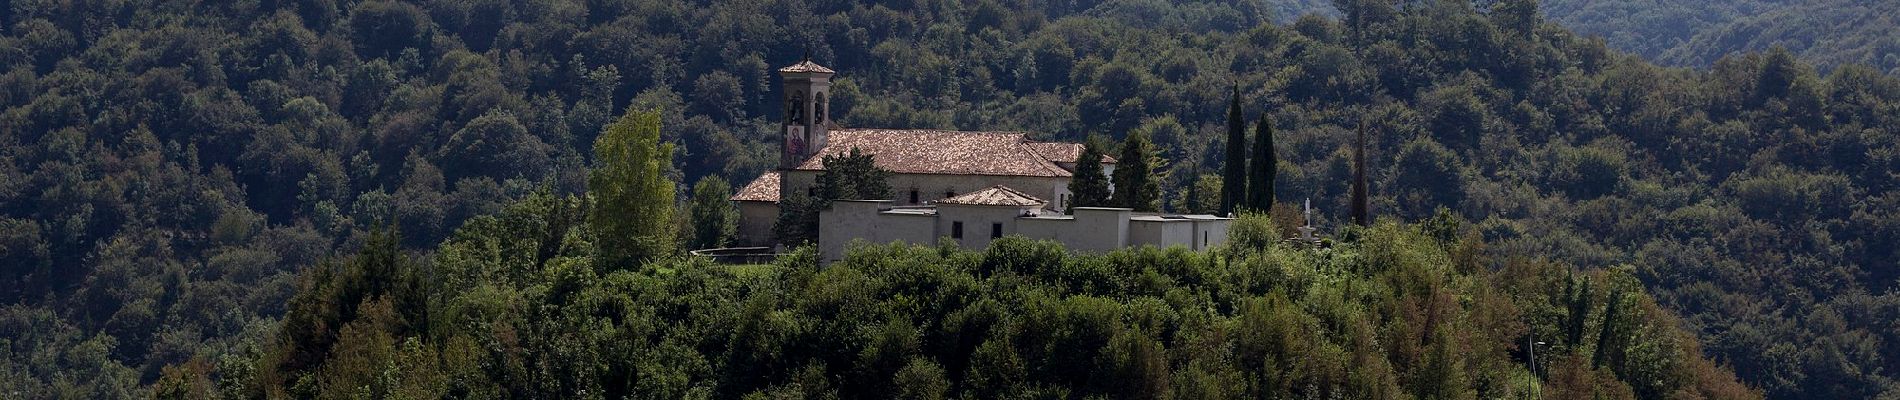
(1360, 213)
(853, 175)
(1265, 159)
(715, 220)
(1135, 183)
(1089, 186)
(1234, 173)
(633, 196)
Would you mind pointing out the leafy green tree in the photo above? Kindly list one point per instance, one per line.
(1427, 175)
(1235, 168)
(921, 379)
(853, 175)
(1518, 17)
(1265, 166)
(715, 220)
(633, 197)
(1136, 185)
(1200, 196)
(385, 28)
(1089, 185)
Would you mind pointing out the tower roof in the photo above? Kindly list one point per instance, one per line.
(998, 195)
(806, 66)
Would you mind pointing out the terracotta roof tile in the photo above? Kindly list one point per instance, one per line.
(1063, 152)
(998, 195)
(927, 151)
(763, 188)
(807, 66)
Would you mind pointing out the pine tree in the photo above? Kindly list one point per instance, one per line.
(1360, 214)
(1135, 183)
(1260, 183)
(1089, 186)
(633, 218)
(1234, 174)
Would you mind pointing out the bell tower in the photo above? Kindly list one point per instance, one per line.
(807, 91)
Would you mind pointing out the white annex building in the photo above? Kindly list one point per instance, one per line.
(967, 186)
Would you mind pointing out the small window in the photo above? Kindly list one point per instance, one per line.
(956, 230)
(996, 231)
(913, 196)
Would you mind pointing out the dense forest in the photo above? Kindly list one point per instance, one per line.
(179, 180)
(1828, 33)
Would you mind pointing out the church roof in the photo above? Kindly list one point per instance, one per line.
(1063, 152)
(763, 188)
(807, 66)
(928, 151)
(998, 195)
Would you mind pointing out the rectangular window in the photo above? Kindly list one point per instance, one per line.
(913, 196)
(996, 231)
(956, 230)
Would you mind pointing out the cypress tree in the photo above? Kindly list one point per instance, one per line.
(1359, 210)
(1089, 187)
(1234, 175)
(1607, 337)
(1135, 183)
(1260, 183)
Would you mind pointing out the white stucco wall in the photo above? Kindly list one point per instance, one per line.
(978, 222)
(1211, 232)
(1098, 229)
(1143, 232)
(755, 223)
(1093, 230)
(844, 221)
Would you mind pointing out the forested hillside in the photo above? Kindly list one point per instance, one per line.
(167, 170)
(1829, 33)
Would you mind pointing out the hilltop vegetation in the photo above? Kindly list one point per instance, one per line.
(1404, 312)
(1828, 33)
(168, 170)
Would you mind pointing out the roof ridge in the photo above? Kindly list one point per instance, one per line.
(1046, 164)
(995, 195)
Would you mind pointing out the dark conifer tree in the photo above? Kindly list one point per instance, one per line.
(1234, 175)
(1090, 184)
(1360, 214)
(1260, 183)
(1135, 183)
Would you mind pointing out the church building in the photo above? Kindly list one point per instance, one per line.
(931, 170)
